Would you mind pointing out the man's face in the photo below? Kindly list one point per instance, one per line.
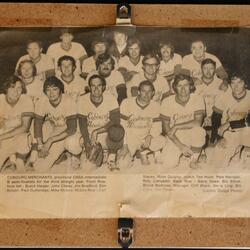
(105, 68)
(151, 66)
(120, 39)
(198, 49)
(96, 87)
(100, 48)
(14, 92)
(238, 86)
(34, 50)
(208, 70)
(183, 88)
(67, 68)
(134, 51)
(145, 94)
(27, 70)
(53, 93)
(67, 37)
(165, 51)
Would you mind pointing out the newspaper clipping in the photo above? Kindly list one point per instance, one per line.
(124, 121)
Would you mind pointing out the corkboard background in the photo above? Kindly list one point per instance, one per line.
(171, 232)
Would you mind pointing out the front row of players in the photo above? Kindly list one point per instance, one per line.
(38, 136)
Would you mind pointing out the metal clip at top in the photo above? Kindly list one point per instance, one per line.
(123, 14)
(125, 232)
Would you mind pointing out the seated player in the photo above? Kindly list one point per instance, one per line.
(142, 124)
(97, 112)
(192, 63)
(74, 85)
(16, 113)
(66, 47)
(182, 116)
(44, 64)
(170, 61)
(131, 64)
(115, 84)
(229, 128)
(150, 67)
(27, 72)
(55, 126)
(99, 46)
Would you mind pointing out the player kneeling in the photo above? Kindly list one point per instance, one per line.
(55, 126)
(16, 113)
(140, 119)
(182, 115)
(99, 121)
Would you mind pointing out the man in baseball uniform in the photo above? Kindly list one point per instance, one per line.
(69, 48)
(55, 125)
(97, 112)
(115, 84)
(44, 64)
(16, 113)
(74, 85)
(131, 64)
(192, 63)
(230, 130)
(150, 67)
(182, 116)
(142, 124)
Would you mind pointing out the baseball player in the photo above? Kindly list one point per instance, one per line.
(55, 125)
(171, 62)
(141, 121)
(229, 128)
(98, 46)
(69, 48)
(16, 113)
(182, 116)
(74, 85)
(115, 84)
(131, 64)
(150, 67)
(192, 63)
(97, 112)
(44, 64)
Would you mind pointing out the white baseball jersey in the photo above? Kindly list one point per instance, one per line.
(209, 93)
(56, 115)
(167, 69)
(138, 121)
(89, 65)
(176, 112)
(43, 65)
(194, 66)
(77, 51)
(35, 89)
(97, 116)
(125, 62)
(112, 81)
(11, 116)
(161, 85)
(232, 108)
(75, 88)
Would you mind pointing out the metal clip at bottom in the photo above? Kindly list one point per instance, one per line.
(125, 232)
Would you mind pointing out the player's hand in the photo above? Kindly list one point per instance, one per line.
(44, 151)
(223, 128)
(224, 85)
(147, 142)
(186, 151)
(172, 131)
(88, 148)
(94, 137)
(222, 143)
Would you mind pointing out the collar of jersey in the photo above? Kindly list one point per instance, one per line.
(142, 107)
(180, 102)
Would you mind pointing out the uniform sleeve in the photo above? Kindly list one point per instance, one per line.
(70, 108)
(50, 51)
(124, 110)
(165, 85)
(113, 104)
(200, 105)
(81, 107)
(50, 64)
(219, 106)
(133, 83)
(178, 59)
(82, 51)
(119, 78)
(165, 112)
(40, 108)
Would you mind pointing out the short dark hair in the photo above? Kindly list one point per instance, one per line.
(208, 61)
(163, 43)
(103, 58)
(150, 55)
(181, 77)
(146, 83)
(20, 65)
(198, 40)
(66, 58)
(34, 41)
(133, 40)
(11, 81)
(237, 74)
(53, 81)
(95, 76)
(99, 40)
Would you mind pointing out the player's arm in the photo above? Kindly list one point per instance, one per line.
(23, 128)
(121, 89)
(83, 124)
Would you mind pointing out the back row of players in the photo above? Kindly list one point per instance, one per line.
(133, 105)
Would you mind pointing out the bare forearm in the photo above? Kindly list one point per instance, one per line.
(13, 133)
